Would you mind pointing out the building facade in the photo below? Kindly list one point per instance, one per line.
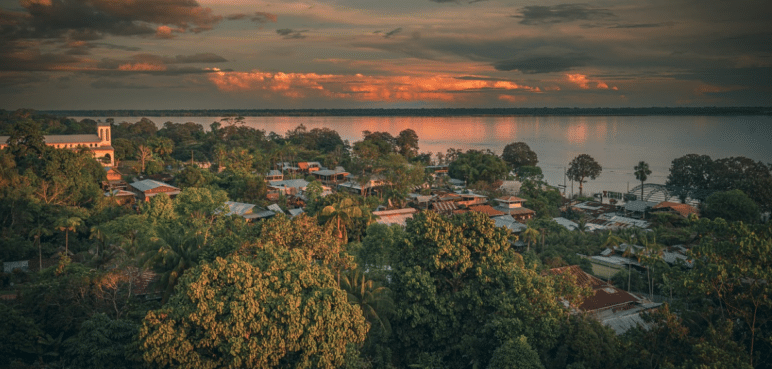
(100, 144)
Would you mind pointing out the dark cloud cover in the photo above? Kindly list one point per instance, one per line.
(112, 84)
(541, 64)
(539, 14)
(392, 32)
(258, 17)
(290, 34)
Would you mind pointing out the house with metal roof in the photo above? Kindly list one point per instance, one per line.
(250, 212)
(331, 176)
(638, 208)
(309, 166)
(288, 187)
(513, 206)
(683, 210)
(145, 189)
(398, 216)
(613, 307)
(274, 175)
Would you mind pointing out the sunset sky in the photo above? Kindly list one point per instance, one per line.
(218, 54)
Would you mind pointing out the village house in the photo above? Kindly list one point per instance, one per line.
(100, 144)
(513, 206)
(148, 188)
(309, 166)
(683, 210)
(398, 216)
(331, 176)
(250, 212)
(274, 175)
(613, 307)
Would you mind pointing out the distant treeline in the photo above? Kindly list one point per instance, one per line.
(419, 112)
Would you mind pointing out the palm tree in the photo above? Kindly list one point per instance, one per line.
(652, 253)
(374, 300)
(530, 235)
(175, 251)
(339, 216)
(614, 242)
(67, 225)
(642, 172)
(98, 233)
(37, 232)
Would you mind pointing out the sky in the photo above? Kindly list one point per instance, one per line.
(252, 54)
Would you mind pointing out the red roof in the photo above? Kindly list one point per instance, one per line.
(683, 209)
(604, 294)
(487, 210)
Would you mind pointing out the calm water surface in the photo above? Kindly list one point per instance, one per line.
(617, 143)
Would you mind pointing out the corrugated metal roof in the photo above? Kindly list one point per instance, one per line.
(444, 206)
(238, 208)
(510, 223)
(566, 223)
(398, 216)
(275, 208)
(149, 184)
(329, 172)
(294, 183)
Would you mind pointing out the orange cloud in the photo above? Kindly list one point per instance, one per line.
(142, 67)
(580, 80)
(360, 87)
(583, 82)
(511, 98)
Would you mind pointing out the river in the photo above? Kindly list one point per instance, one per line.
(617, 143)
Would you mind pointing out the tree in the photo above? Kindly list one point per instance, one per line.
(37, 232)
(144, 154)
(530, 235)
(732, 267)
(68, 224)
(642, 172)
(515, 353)
(583, 166)
(374, 300)
(519, 154)
(461, 291)
(102, 342)
(690, 176)
(732, 206)
(407, 143)
(475, 165)
(339, 215)
(272, 310)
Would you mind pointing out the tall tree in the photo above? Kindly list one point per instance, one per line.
(339, 215)
(407, 143)
(582, 167)
(461, 291)
(732, 206)
(642, 172)
(68, 224)
(272, 310)
(519, 154)
(144, 154)
(476, 165)
(690, 176)
(730, 281)
(374, 300)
